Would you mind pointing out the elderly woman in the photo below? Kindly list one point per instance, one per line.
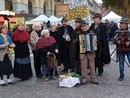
(34, 36)
(22, 63)
(46, 45)
(5, 63)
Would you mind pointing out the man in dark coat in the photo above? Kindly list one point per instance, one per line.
(76, 46)
(65, 35)
(102, 53)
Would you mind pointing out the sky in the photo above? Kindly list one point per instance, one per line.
(99, 1)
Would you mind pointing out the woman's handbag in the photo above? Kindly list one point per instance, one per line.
(51, 61)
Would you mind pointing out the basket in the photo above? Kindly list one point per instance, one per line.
(51, 61)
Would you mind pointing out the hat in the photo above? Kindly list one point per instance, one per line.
(78, 20)
(84, 23)
(97, 15)
(64, 20)
(124, 20)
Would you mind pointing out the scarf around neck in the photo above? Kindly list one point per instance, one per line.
(21, 36)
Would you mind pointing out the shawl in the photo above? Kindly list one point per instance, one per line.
(21, 36)
(45, 42)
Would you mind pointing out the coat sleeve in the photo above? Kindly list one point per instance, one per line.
(32, 40)
(105, 46)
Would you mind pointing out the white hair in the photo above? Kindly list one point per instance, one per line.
(34, 25)
(44, 32)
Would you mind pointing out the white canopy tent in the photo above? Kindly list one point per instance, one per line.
(39, 19)
(112, 17)
(52, 18)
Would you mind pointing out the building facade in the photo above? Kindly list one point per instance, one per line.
(94, 7)
(33, 7)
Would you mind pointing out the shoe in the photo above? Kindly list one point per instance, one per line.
(54, 77)
(121, 78)
(100, 74)
(39, 76)
(46, 79)
(95, 82)
(10, 82)
(83, 83)
(3, 83)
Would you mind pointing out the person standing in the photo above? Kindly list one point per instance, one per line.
(5, 62)
(75, 42)
(54, 34)
(46, 45)
(34, 36)
(22, 63)
(123, 45)
(65, 35)
(102, 53)
(87, 58)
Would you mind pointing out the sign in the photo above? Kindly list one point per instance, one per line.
(19, 20)
(62, 9)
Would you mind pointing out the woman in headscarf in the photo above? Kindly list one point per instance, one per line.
(46, 45)
(5, 62)
(22, 63)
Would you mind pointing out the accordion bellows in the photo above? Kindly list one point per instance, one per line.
(88, 42)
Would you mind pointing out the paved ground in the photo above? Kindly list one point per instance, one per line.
(109, 87)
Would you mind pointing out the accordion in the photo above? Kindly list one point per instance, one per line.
(123, 36)
(88, 42)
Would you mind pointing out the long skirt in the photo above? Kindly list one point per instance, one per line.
(22, 71)
(6, 66)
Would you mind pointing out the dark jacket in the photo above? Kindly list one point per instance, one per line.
(103, 47)
(66, 47)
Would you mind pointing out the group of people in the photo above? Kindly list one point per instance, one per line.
(22, 64)
(111, 30)
(63, 42)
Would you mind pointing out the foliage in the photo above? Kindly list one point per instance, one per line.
(121, 6)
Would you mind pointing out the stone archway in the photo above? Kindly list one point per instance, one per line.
(8, 5)
(47, 7)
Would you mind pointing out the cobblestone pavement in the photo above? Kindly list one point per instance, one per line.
(109, 87)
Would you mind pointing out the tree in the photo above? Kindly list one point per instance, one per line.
(122, 6)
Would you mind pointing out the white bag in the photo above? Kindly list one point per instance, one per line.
(69, 82)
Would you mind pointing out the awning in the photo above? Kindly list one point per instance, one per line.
(1, 20)
(11, 20)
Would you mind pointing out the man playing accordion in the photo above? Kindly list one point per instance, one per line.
(87, 57)
(123, 45)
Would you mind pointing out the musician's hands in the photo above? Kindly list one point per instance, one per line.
(127, 43)
(56, 51)
(118, 42)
